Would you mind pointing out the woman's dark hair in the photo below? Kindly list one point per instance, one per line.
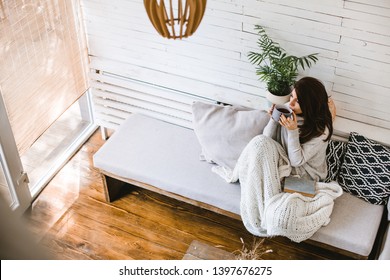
(313, 100)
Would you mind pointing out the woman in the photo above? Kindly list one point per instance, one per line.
(305, 135)
(266, 210)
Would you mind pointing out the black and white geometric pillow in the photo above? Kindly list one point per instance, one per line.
(365, 171)
(334, 157)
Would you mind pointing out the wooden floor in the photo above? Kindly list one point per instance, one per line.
(73, 221)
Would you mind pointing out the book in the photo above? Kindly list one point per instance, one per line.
(293, 184)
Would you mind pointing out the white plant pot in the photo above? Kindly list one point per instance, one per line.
(276, 99)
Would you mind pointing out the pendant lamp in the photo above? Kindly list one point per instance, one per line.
(175, 19)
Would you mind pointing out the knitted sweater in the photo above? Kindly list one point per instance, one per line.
(308, 159)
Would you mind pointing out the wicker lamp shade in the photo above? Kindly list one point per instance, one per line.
(175, 19)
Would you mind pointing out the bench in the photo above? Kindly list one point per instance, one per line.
(164, 158)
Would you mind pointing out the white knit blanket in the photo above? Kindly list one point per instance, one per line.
(265, 209)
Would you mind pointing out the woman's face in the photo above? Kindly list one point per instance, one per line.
(294, 104)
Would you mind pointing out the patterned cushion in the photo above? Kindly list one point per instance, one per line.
(334, 156)
(365, 171)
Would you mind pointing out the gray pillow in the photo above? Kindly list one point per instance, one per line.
(224, 131)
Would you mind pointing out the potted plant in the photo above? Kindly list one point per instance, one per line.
(275, 67)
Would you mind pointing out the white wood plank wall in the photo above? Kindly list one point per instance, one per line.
(133, 69)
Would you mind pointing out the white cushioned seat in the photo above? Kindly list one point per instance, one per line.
(385, 248)
(384, 253)
(166, 156)
(353, 225)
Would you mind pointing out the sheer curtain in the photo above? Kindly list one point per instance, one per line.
(43, 63)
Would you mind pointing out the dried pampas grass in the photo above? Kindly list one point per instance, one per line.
(255, 252)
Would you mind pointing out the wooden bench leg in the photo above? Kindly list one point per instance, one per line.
(112, 188)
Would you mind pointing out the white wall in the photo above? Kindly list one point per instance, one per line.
(140, 71)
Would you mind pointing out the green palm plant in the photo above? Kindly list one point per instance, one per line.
(274, 66)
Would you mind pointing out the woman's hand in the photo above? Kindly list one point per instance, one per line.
(270, 110)
(290, 123)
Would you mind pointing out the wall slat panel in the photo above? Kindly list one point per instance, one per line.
(351, 37)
